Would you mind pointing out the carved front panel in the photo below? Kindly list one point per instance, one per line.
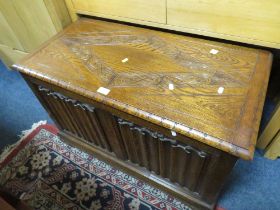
(166, 157)
(83, 120)
(182, 164)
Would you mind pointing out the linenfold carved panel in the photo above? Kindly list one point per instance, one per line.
(144, 131)
(166, 157)
(57, 95)
(177, 162)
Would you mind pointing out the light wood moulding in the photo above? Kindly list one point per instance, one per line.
(253, 22)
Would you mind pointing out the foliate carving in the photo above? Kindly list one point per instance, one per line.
(161, 137)
(202, 71)
(60, 96)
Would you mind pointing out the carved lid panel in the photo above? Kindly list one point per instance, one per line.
(209, 91)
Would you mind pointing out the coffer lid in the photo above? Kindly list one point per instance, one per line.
(209, 91)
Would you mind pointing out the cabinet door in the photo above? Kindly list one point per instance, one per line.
(154, 11)
(256, 22)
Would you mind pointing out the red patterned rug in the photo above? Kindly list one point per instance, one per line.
(49, 174)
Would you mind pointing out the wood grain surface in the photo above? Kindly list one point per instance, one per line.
(208, 91)
(26, 24)
(250, 21)
(150, 11)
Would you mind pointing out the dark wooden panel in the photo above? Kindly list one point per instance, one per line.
(197, 170)
(214, 175)
(195, 166)
(179, 163)
(179, 169)
(83, 120)
(153, 154)
(164, 159)
(110, 127)
(97, 132)
(129, 140)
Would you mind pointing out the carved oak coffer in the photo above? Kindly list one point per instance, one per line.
(177, 112)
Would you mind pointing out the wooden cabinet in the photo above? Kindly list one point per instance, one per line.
(154, 11)
(253, 22)
(25, 24)
(177, 111)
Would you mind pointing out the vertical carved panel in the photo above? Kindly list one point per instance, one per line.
(111, 130)
(180, 168)
(153, 154)
(140, 145)
(83, 120)
(220, 165)
(197, 162)
(164, 158)
(129, 142)
(167, 157)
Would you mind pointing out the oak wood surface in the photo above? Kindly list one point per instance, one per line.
(217, 98)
